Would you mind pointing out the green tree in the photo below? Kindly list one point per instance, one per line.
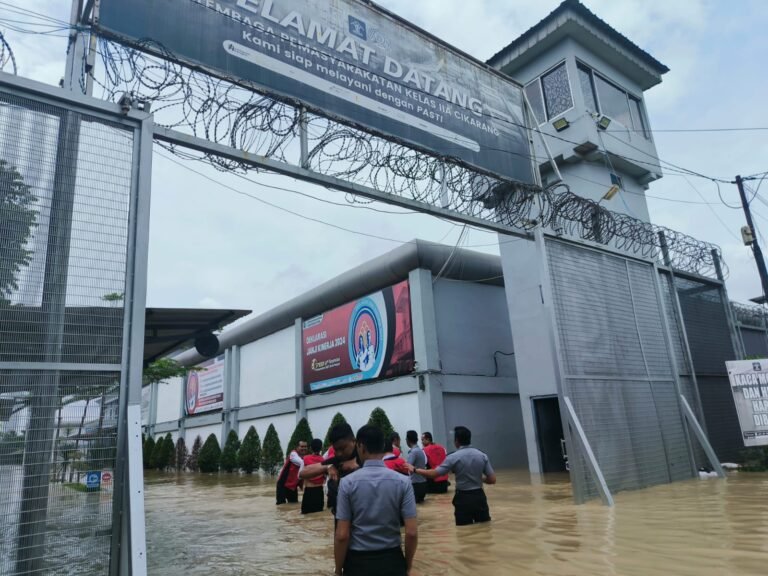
(379, 418)
(182, 454)
(170, 447)
(229, 454)
(210, 455)
(272, 452)
(164, 369)
(148, 451)
(337, 419)
(161, 453)
(302, 432)
(249, 455)
(193, 462)
(17, 218)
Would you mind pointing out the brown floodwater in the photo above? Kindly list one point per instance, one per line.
(229, 525)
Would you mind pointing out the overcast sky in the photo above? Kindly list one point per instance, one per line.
(211, 247)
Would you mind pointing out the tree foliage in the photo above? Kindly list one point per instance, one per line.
(337, 419)
(17, 218)
(249, 455)
(162, 369)
(193, 462)
(272, 452)
(379, 418)
(229, 454)
(302, 432)
(182, 454)
(148, 452)
(210, 455)
(162, 452)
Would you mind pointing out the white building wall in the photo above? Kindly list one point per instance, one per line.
(268, 368)
(402, 411)
(169, 400)
(202, 431)
(284, 426)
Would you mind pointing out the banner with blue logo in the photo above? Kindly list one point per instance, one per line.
(348, 60)
(362, 340)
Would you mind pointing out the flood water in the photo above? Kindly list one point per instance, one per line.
(229, 525)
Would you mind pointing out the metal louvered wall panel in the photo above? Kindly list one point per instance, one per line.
(68, 197)
(618, 368)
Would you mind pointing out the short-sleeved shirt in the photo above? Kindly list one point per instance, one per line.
(417, 459)
(374, 499)
(469, 465)
(435, 455)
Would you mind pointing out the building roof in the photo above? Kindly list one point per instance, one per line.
(572, 18)
(387, 269)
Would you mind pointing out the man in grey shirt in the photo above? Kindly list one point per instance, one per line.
(417, 459)
(472, 468)
(369, 507)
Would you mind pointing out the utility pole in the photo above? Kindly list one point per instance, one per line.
(754, 244)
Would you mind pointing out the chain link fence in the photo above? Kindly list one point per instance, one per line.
(66, 179)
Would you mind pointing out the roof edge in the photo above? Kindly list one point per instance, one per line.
(385, 270)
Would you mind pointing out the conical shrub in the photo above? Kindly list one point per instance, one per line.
(302, 432)
(193, 463)
(229, 454)
(379, 418)
(182, 454)
(210, 455)
(249, 455)
(272, 452)
(338, 418)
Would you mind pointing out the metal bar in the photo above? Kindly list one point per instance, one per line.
(594, 467)
(90, 59)
(647, 371)
(60, 366)
(735, 342)
(668, 340)
(681, 325)
(303, 139)
(201, 145)
(701, 437)
(54, 96)
(128, 531)
(75, 49)
(38, 442)
(86, 11)
(619, 378)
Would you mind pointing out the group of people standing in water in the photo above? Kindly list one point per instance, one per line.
(373, 487)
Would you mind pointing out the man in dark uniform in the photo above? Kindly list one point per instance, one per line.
(417, 459)
(370, 504)
(472, 468)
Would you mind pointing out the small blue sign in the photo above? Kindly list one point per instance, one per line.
(93, 479)
(358, 28)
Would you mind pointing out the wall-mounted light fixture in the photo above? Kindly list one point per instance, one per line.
(612, 191)
(603, 122)
(560, 124)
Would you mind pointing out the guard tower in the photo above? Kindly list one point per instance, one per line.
(585, 83)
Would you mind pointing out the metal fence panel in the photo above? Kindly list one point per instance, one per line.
(618, 368)
(66, 182)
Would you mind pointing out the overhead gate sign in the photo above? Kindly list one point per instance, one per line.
(345, 59)
(749, 384)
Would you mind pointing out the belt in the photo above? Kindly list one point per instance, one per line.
(473, 491)
(374, 552)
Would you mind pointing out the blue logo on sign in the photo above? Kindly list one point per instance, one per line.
(357, 28)
(366, 338)
(92, 479)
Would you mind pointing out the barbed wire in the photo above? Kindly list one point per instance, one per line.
(6, 55)
(222, 111)
(750, 315)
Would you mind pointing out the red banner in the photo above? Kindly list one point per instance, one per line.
(367, 339)
(204, 390)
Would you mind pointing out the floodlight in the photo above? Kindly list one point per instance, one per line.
(604, 122)
(560, 124)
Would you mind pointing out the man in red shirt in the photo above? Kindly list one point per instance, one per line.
(288, 480)
(312, 501)
(395, 437)
(435, 455)
(392, 460)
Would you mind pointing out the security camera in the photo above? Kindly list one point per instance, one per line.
(125, 103)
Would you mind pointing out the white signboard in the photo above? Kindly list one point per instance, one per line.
(749, 384)
(205, 389)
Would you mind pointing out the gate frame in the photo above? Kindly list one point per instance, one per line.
(128, 543)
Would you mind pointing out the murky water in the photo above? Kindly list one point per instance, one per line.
(229, 525)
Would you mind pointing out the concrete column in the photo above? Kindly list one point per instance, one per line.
(225, 423)
(430, 394)
(530, 317)
(301, 405)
